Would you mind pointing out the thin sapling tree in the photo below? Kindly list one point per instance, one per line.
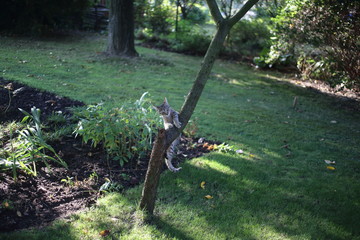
(166, 137)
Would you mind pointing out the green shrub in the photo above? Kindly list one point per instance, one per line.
(125, 133)
(322, 67)
(190, 39)
(194, 43)
(248, 37)
(158, 20)
(331, 27)
(196, 15)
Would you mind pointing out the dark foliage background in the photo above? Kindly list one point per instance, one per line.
(40, 16)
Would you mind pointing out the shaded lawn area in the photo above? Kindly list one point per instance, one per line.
(279, 188)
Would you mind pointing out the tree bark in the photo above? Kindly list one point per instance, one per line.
(153, 173)
(165, 138)
(121, 29)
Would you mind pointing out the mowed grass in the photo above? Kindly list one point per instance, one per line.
(279, 188)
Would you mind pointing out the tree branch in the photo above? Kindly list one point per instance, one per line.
(215, 12)
(245, 8)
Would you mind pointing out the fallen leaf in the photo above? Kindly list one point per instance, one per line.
(104, 233)
(202, 184)
(330, 168)
(210, 147)
(252, 155)
(329, 162)
(18, 213)
(209, 197)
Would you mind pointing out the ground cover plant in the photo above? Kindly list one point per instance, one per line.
(278, 185)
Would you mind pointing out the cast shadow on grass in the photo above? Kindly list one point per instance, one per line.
(169, 229)
(257, 205)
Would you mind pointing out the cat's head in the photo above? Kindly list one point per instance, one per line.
(164, 108)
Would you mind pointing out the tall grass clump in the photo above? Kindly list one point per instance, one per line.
(27, 146)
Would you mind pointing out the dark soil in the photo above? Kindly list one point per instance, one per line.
(37, 201)
(25, 97)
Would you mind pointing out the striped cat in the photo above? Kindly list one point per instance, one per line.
(171, 118)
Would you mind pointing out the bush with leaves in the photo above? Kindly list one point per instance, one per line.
(190, 38)
(158, 19)
(196, 15)
(335, 28)
(125, 133)
(281, 52)
(248, 37)
(331, 28)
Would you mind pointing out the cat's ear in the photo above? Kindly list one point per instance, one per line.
(165, 101)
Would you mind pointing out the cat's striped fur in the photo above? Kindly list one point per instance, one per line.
(171, 118)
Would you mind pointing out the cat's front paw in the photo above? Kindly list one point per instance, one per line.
(177, 124)
(168, 125)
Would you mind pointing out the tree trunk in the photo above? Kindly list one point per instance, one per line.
(121, 28)
(153, 173)
(203, 75)
(165, 138)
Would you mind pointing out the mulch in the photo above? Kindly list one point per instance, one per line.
(37, 201)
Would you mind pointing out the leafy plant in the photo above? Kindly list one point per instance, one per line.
(126, 132)
(110, 186)
(225, 148)
(60, 124)
(28, 148)
(9, 88)
(68, 181)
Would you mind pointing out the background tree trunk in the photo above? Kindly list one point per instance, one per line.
(147, 202)
(121, 28)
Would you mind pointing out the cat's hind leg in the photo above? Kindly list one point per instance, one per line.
(169, 156)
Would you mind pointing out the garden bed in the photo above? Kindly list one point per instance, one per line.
(37, 201)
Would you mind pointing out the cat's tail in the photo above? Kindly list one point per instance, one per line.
(169, 156)
(170, 166)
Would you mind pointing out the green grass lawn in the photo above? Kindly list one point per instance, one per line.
(279, 188)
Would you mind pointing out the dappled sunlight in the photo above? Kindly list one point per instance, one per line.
(244, 190)
(274, 76)
(205, 163)
(263, 231)
(233, 81)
